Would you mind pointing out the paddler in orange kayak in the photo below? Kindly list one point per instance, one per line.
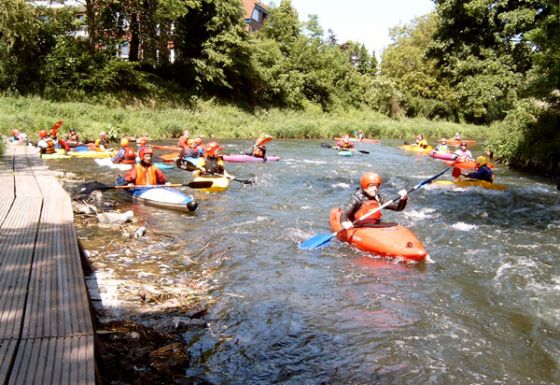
(366, 199)
(145, 173)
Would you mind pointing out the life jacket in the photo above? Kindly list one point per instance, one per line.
(259, 151)
(51, 146)
(145, 175)
(129, 156)
(365, 208)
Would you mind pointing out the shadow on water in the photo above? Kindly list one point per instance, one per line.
(487, 311)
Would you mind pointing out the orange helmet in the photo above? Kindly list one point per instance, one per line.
(212, 148)
(15, 132)
(370, 178)
(145, 151)
(43, 134)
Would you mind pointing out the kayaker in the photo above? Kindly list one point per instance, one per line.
(126, 154)
(183, 139)
(442, 147)
(258, 150)
(199, 146)
(421, 142)
(483, 172)
(457, 136)
(463, 155)
(365, 199)
(360, 135)
(345, 144)
(213, 162)
(145, 173)
(188, 150)
(46, 144)
(102, 143)
(73, 139)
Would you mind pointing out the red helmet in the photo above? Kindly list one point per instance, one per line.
(370, 178)
(15, 132)
(43, 134)
(212, 148)
(144, 151)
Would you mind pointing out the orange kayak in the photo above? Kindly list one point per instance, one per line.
(387, 239)
(456, 142)
(170, 157)
(464, 165)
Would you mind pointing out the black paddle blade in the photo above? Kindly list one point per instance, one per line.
(364, 151)
(326, 145)
(89, 187)
(199, 184)
(185, 165)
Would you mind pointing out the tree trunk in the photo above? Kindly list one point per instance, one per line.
(91, 25)
(133, 53)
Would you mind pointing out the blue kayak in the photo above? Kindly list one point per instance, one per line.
(164, 197)
(345, 153)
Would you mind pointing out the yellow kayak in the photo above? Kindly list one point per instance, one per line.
(420, 150)
(219, 183)
(59, 154)
(92, 154)
(471, 183)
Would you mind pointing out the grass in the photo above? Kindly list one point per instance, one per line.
(211, 119)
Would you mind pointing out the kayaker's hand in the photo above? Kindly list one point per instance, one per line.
(168, 183)
(131, 185)
(347, 225)
(403, 193)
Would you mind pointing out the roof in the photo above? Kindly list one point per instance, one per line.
(249, 6)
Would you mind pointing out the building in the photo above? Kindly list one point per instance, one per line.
(255, 13)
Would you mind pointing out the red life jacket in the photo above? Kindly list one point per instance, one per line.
(129, 156)
(365, 208)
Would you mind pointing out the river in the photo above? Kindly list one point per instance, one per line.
(487, 311)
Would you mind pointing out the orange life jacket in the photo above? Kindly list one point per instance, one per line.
(129, 156)
(50, 147)
(145, 176)
(365, 208)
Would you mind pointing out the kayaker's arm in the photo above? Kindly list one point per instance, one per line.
(398, 205)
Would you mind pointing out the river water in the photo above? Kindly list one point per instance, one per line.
(487, 311)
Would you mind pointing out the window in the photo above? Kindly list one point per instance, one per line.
(257, 15)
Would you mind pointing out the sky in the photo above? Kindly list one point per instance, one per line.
(363, 21)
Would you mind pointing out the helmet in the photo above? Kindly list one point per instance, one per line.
(143, 141)
(212, 148)
(144, 151)
(443, 140)
(463, 144)
(124, 142)
(43, 134)
(198, 141)
(186, 133)
(72, 130)
(481, 160)
(370, 178)
(191, 143)
(15, 132)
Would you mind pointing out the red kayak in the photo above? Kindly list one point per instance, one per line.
(386, 239)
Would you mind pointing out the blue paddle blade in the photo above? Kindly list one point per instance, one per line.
(316, 241)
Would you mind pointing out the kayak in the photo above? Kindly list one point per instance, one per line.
(443, 156)
(170, 157)
(164, 197)
(471, 183)
(457, 143)
(370, 141)
(464, 165)
(92, 154)
(420, 150)
(220, 183)
(345, 153)
(386, 239)
(59, 154)
(241, 158)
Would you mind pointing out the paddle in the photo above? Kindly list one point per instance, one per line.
(322, 239)
(184, 164)
(90, 187)
(326, 145)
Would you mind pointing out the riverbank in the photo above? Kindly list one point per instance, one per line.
(212, 119)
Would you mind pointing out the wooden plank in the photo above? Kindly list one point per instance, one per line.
(49, 186)
(17, 242)
(7, 187)
(68, 360)
(58, 303)
(7, 355)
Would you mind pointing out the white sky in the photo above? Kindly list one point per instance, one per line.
(363, 21)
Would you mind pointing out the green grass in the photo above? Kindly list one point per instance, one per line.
(211, 119)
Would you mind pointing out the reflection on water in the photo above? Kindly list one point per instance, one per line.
(487, 312)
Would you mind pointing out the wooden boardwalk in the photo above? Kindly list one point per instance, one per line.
(46, 328)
